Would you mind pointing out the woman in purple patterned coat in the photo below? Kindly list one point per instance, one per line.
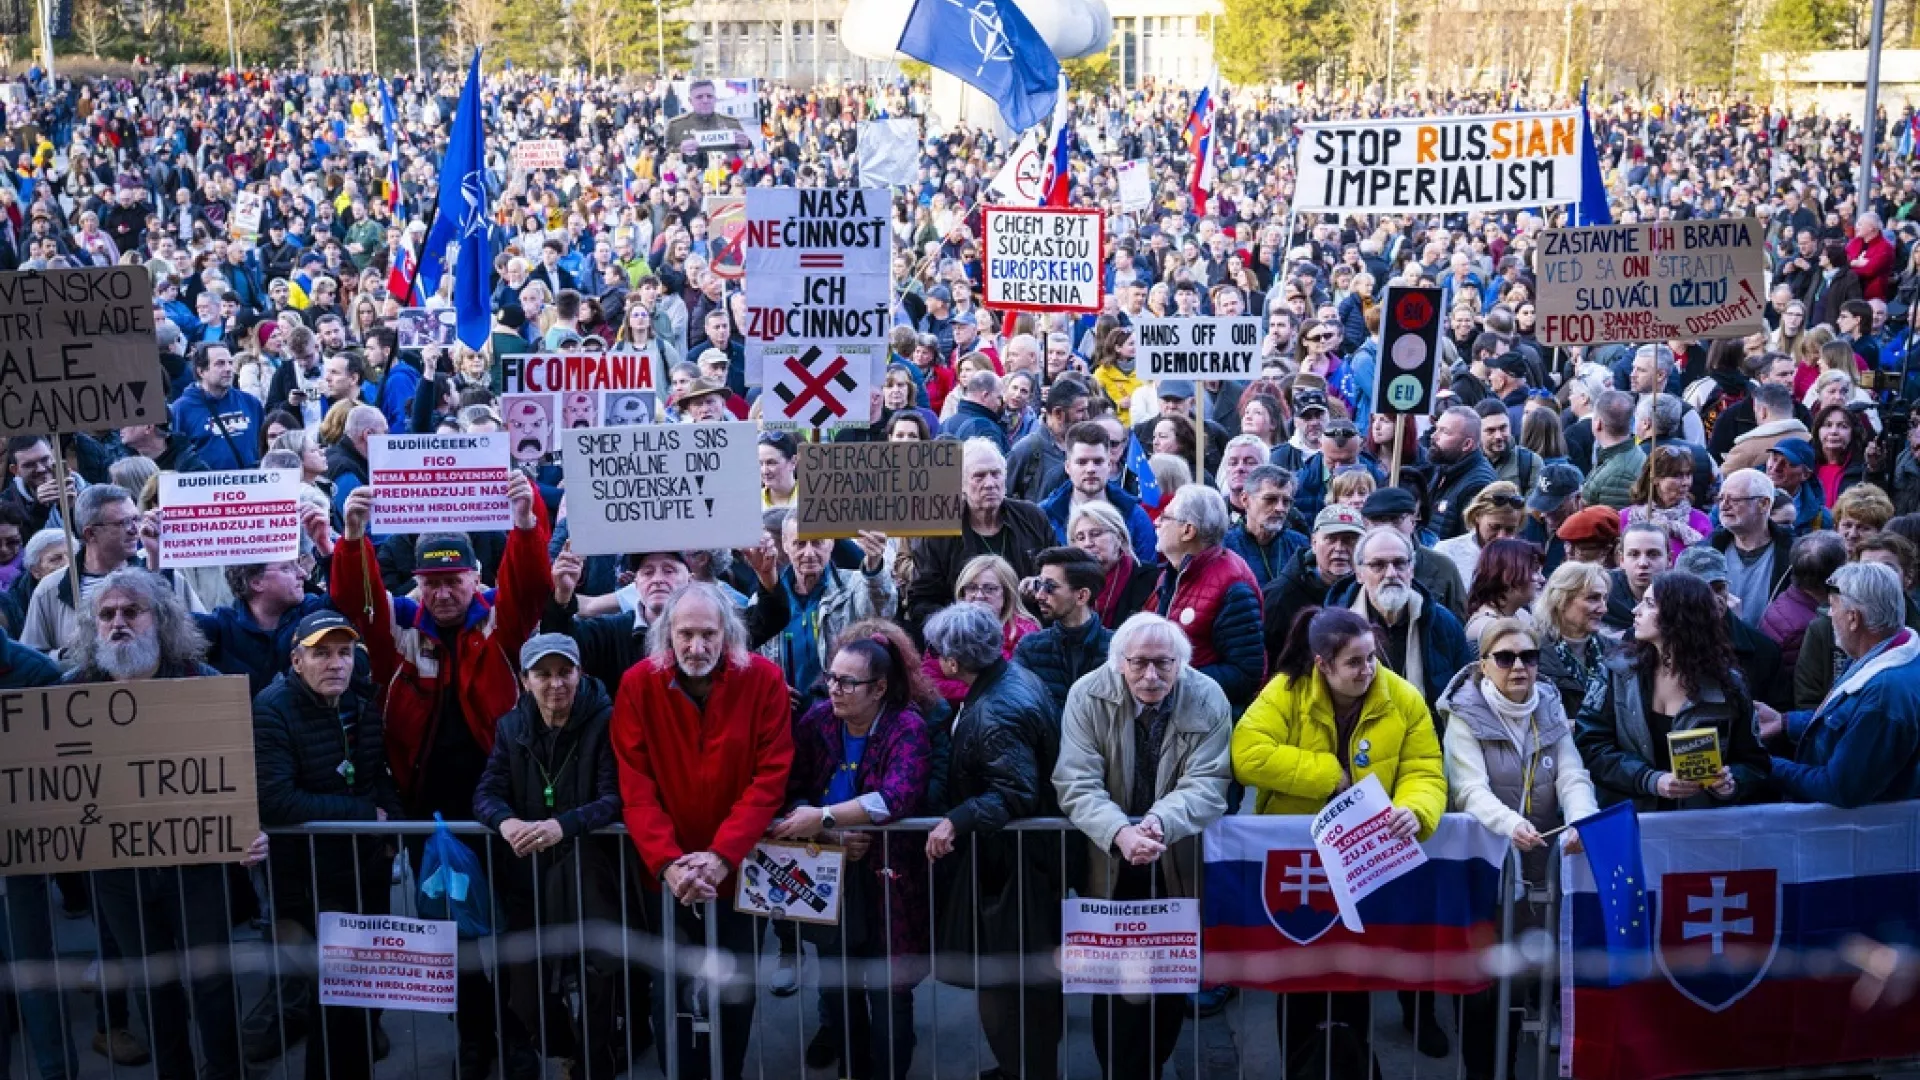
(862, 757)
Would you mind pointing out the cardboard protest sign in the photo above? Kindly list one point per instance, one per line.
(551, 373)
(1215, 348)
(531, 419)
(77, 351)
(157, 772)
(818, 266)
(901, 489)
(540, 154)
(418, 328)
(1651, 282)
(229, 518)
(662, 487)
(1439, 163)
(1350, 833)
(247, 209)
(780, 879)
(1135, 182)
(388, 962)
(1042, 258)
(440, 483)
(1130, 946)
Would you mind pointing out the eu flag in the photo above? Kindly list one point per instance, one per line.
(1612, 840)
(1592, 209)
(990, 46)
(1142, 469)
(460, 217)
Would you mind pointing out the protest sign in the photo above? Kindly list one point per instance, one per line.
(818, 265)
(625, 408)
(578, 409)
(439, 483)
(229, 518)
(77, 351)
(662, 487)
(901, 489)
(1130, 946)
(388, 962)
(888, 152)
(1651, 282)
(530, 425)
(1218, 348)
(540, 154)
(1350, 833)
(247, 208)
(727, 223)
(418, 328)
(1410, 344)
(713, 107)
(783, 880)
(1042, 259)
(553, 373)
(1425, 164)
(1019, 182)
(156, 772)
(1135, 181)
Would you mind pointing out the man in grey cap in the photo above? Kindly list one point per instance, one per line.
(938, 320)
(1757, 654)
(1555, 498)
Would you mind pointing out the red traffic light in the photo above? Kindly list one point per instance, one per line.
(1412, 311)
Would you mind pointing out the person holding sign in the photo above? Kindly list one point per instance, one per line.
(1145, 737)
(26, 915)
(133, 627)
(1332, 716)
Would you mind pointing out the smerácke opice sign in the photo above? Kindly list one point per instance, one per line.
(77, 351)
(1651, 282)
(1497, 162)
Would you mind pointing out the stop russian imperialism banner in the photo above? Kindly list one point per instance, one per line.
(1444, 163)
(1654, 282)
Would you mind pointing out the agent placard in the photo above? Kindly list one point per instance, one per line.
(901, 489)
(77, 351)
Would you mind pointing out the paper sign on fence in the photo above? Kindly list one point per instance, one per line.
(440, 483)
(227, 518)
(1360, 856)
(783, 880)
(1130, 946)
(388, 962)
(662, 487)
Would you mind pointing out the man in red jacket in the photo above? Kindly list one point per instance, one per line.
(1871, 256)
(444, 663)
(704, 735)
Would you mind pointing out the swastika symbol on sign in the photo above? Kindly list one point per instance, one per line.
(812, 386)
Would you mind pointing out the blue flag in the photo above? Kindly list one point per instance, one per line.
(461, 218)
(1612, 840)
(990, 46)
(1137, 464)
(1592, 209)
(391, 123)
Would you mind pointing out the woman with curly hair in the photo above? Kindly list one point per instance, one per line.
(1509, 577)
(1662, 496)
(1839, 450)
(1676, 673)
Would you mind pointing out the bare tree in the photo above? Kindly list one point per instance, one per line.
(95, 25)
(475, 23)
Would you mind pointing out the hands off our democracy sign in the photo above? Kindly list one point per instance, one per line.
(1500, 162)
(1042, 259)
(1650, 282)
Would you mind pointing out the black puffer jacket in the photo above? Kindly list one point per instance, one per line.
(1059, 656)
(299, 742)
(1454, 486)
(1005, 739)
(578, 761)
(1296, 588)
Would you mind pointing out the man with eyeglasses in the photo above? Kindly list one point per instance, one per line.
(110, 528)
(33, 488)
(1073, 642)
(1758, 549)
(1262, 539)
(1396, 508)
(1090, 478)
(1339, 450)
(1210, 592)
(1420, 640)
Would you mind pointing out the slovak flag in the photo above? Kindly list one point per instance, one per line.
(402, 277)
(1198, 135)
(1269, 920)
(1059, 179)
(1751, 909)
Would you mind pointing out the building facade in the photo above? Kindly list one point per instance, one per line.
(796, 42)
(1162, 41)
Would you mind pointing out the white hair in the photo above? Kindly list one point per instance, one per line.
(733, 632)
(1874, 589)
(1378, 531)
(1749, 482)
(363, 419)
(980, 452)
(1203, 508)
(1145, 627)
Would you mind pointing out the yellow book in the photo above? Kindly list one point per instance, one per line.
(1696, 754)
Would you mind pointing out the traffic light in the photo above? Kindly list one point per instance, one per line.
(1409, 351)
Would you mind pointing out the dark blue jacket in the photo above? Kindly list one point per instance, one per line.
(231, 443)
(1269, 559)
(1443, 640)
(1864, 745)
(22, 667)
(239, 645)
(1059, 507)
(1059, 656)
(971, 420)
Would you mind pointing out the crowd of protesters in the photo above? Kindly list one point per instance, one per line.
(1578, 552)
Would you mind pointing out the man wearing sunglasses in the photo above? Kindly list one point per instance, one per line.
(1073, 642)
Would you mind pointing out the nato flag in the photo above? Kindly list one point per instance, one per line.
(460, 217)
(989, 45)
(1592, 209)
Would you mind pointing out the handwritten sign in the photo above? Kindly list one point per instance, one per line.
(662, 487)
(388, 962)
(77, 351)
(1651, 282)
(440, 483)
(1351, 836)
(901, 489)
(1224, 349)
(818, 266)
(156, 772)
(229, 518)
(1496, 162)
(1042, 259)
(1130, 946)
(540, 154)
(782, 880)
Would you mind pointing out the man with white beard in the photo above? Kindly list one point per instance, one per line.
(703, 732)
(133, 626)
(1420, 640)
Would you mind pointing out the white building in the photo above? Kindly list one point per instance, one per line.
(1162, 41)
(791, 41)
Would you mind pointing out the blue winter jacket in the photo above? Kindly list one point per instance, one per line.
(1059, 506)
(231, 443)
(1864, 747)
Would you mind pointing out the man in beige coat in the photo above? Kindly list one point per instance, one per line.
(1145, 738)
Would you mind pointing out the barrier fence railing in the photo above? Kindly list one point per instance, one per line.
(609, 954)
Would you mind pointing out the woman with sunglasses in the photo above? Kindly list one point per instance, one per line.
(1316, 356)
(1662, 496)
(1495, 514)
(1676, 673)
(1512, 764)
(1508, 580)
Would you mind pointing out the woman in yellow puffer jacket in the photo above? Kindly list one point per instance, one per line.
(1332, 717)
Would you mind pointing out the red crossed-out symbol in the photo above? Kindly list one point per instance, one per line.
(812, 386)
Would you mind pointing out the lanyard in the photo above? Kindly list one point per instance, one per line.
(547, 793)
(345, 768)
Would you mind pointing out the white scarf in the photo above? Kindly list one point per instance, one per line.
(1515, 716)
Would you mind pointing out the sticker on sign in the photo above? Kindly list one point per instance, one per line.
(820, 389)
